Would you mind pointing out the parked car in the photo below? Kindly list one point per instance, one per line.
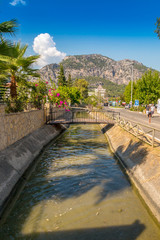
(127, 106)
(106, 104)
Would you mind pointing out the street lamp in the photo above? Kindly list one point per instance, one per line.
(132, 86)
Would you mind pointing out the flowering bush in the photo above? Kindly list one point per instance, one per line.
(39, 91)
(59, 97)
(63, 96)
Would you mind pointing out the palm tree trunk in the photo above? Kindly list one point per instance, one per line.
(13, 87)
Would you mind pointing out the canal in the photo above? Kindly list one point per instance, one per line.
(79, 192)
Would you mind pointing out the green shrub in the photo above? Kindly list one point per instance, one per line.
(141, 108)
(137, 109)
(14, 105)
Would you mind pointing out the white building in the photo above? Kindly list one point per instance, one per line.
(100, 91)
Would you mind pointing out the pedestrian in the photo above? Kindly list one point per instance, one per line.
(152, 110)
(147, 109)
(149, 114)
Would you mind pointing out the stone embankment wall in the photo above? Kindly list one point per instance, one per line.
(142, 164)
(15, 159)
(15, 126)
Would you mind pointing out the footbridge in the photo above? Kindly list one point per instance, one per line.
(77, 116)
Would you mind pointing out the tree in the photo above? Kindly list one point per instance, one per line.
(92, 101)
(61, 77)
(148, 87)
(158, 27)
(74, 95)
(122, 97)
(69, 81)
(16, 67)
(127, 92)
(8, 27)
(82, 85)
(38, 93)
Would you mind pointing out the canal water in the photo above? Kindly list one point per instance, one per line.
(78, 192)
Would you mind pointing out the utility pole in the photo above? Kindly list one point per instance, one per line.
(132, 87)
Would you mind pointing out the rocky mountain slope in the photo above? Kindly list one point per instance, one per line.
(94, 65)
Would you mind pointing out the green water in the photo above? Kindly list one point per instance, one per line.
(78, 192)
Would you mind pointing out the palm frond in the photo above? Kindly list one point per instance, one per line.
(6, 47)
(3, 79)
(26, 62)
(32, 58)
(5, 58)
(3, 76)
(8, 27)
(22, 50)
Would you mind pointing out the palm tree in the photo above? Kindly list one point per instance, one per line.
(16, 67)
(5, 45)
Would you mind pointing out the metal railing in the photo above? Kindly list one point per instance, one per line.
(143, 132)
(75, 116)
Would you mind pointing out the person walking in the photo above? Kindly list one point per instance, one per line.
(147, 109)
(149, 113)
(152, 110)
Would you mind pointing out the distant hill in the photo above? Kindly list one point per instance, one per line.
(95, 65)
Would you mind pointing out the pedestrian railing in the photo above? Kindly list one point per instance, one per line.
(143, 132)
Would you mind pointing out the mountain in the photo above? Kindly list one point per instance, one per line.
(95, 66)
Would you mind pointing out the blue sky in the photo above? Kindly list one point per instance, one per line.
(117, 29)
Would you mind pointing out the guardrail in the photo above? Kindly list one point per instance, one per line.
(143, 132)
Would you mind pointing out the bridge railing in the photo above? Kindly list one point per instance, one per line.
(53, 115)
(75, 116)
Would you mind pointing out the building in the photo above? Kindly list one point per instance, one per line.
(100, 91)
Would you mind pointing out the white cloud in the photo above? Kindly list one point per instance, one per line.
(45, 46)
(15, 2)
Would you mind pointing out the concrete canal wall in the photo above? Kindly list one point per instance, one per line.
(26, 137)
(142, 164)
